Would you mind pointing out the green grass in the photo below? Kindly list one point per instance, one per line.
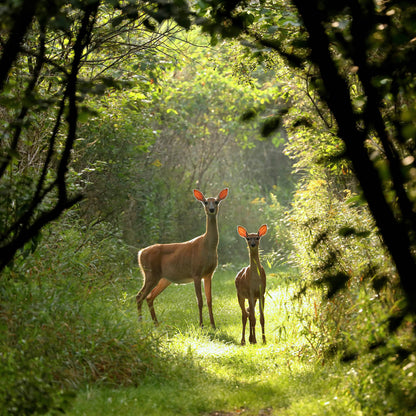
(202, 371)
(70, 339)
(63, 331)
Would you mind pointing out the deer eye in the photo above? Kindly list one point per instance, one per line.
(217, 202)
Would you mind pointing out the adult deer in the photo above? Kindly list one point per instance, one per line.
(191, 261)
(251, 284)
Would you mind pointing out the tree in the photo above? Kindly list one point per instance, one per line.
(54, 54)
(25, 223)
(378, 117)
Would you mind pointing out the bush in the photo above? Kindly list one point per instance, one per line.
(61, 320)
(28, 387)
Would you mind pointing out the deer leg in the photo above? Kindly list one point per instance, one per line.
(141, 295)
(157, 290)
(198, 292)
(252, 320)
(244, 316)
(262, 318)
(208, 295)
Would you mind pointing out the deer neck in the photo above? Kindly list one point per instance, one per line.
(211, 233)
(255, 260)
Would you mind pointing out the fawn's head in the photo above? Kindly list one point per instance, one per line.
(211, 204)
(253, 239)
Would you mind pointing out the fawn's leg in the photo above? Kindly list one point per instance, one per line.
(244, 316)
(252, 319)
(262, 319)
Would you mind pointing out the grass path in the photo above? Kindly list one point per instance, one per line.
(207, 372)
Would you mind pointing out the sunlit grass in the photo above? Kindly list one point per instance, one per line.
(203, 370)
(67, 331)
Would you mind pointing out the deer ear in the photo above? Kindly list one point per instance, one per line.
(199, 195)
(262, 230)
(242, 231)
(223, 194)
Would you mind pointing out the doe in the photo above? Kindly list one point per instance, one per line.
(251, 284)
(191, 261)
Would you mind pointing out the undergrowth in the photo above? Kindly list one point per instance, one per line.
(62, 326)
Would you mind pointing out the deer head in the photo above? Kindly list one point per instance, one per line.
(253, 239)
(211, 204)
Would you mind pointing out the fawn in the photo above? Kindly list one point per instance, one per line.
(251, 284)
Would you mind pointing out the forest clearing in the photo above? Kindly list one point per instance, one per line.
(208, 372)
(144, 143)
(179, 368)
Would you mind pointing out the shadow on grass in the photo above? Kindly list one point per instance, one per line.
(221, 336)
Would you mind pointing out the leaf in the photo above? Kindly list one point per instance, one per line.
(117, 21)
(157, 163)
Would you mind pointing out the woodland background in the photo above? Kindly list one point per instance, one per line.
(112, 112)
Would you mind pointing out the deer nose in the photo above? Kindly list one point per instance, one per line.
(212, 210)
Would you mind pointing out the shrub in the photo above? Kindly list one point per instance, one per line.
(62, 323)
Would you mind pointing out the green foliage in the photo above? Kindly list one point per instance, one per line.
(158, 116)
(160, 141)
(28, 386)
(337, 247)
(62, 321)
(56, 56)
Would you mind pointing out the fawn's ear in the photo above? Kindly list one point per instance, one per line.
(199, 195)
(262, 230)
(242, 231)
(223, 194)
